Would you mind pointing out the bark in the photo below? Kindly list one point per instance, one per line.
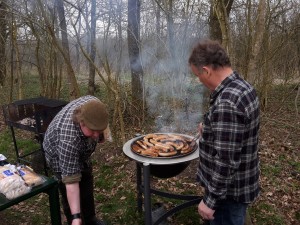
(170, 28)
(222, 9)
(296, 41)
(157, 28)
(15, 49)
(91, 84)
(120, 38)
(3, 39)
(214, 24)
(257, 41)
(74, 91)
(77, 46)
(215, 32)
(133, 33)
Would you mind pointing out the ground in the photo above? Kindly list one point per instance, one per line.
(278, 203)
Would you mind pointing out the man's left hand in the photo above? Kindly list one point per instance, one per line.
(205, 212)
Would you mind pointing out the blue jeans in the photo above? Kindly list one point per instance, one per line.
(229, 212)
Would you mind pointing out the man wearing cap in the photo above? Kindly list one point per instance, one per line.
(69, 141)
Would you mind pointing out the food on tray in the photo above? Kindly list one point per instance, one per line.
(30, 177)
(16, 181)
(13, 187)
(11, 184)
(162, 145)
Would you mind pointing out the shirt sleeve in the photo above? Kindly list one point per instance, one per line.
(227, 124)
(68, 154)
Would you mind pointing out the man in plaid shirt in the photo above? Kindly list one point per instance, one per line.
(69, 141)
(228, 162)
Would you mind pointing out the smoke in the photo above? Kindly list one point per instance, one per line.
(174, 96)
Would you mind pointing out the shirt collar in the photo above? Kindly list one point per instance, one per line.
(222, 85)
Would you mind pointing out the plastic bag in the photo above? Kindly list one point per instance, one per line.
(13, 186)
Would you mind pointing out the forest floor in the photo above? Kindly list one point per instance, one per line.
(115, 177)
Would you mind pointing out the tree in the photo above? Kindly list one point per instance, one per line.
(221, 10)
(91, 84)
(133, 33)
(3, 39)
(74, 91)
(215, 31)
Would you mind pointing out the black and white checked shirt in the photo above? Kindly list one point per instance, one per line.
(229, 163)
(66, 148)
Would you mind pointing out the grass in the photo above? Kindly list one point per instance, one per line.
(115, 190)
(266, 214)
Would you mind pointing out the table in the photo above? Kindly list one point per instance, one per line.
(50, 187)
(144, 186)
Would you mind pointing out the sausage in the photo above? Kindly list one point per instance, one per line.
(141, 144)
(149, 152)
(167, 154)
(147, 142)
(159, 145)
(161, 137)
(149, 136)
(164, 145)
(176, 144)
(136, 148)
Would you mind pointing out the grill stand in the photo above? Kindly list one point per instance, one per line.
(144, 188)
(143, 184)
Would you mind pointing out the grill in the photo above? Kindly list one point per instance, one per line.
(161, 168)
(34, 115)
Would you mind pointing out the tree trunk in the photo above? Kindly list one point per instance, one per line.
(157, 29)
(91, 85)
(222, 13)
(170, 28)
(133, 33)
(19, 77)
(215, 31)
(257, 41)
(74, 91)
(3, 38)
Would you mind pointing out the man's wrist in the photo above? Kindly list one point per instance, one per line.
(76, 216)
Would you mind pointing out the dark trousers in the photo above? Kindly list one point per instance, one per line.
(229, 212)
(86, 186)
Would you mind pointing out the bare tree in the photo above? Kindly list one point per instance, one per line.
(221, 9)
(215, 31)
(133, 33)
(91, 83)
(74, 91)
(257, 40)
(15, 50)
(3, 39)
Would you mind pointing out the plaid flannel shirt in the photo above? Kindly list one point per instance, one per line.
(66, 148)
(228, 162)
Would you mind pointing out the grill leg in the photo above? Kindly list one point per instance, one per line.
(139, 186)
(147, 194)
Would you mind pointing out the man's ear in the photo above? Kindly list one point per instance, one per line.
(206, 69)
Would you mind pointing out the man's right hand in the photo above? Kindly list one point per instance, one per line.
(200, 129)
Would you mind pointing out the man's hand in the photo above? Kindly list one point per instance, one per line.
(205, 212)
(77, 222)
(200, 128)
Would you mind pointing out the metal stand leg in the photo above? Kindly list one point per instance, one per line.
(147, 194)
(54, 206)
(138, 187)
(144, 188)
